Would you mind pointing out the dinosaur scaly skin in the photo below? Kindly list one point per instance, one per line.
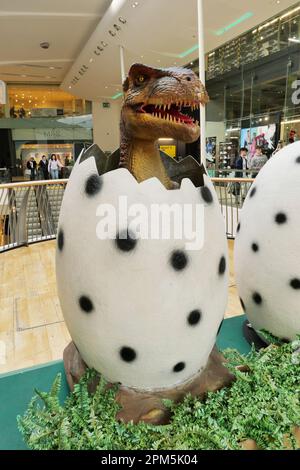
(152, 109)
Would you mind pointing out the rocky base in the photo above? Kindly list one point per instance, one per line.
(148, 406)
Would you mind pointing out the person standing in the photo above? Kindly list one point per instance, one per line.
(241, 166)
(241, 163)
(258, 161)
(53, 167)
(44, 167)
(31, 165)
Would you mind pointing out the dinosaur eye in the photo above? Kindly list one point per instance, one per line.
(140, 79)
(189, 79)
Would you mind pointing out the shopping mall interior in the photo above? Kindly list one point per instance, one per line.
(66, 77)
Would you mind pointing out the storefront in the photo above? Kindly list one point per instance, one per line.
(40, 120)
(254, 86)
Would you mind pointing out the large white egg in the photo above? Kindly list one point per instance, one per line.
(145, 313)
(267, 247)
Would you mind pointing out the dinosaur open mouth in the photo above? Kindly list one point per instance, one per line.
(171, 112)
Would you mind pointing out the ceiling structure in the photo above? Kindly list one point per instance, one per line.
(85, 37)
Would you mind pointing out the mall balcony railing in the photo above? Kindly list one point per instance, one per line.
(29, 210)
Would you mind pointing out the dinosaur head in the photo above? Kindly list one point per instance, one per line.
(158, 103)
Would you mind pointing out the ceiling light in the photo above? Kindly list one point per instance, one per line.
(106, 87)
(91, 60)
(96, 52)
(104, 44)
(23, 104)
(117, 27)
(191, 63)
(135, 4)
(142, 56)
(122, 20)
(16, 96)
(24, 76)
(112, 33)
(226, 28)
(51, 68)
(167, 139)
(70, 87)
(48, 76)
(16, 101)
(116, 96)
(100, 48)
(29, 101)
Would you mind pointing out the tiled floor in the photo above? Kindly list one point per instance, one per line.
(32, 329)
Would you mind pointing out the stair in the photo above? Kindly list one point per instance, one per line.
(33, 223)
(55, 196)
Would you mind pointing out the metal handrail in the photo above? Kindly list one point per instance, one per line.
(29, 210)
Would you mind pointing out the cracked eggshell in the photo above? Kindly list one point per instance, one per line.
(267, 247)
(144, 313)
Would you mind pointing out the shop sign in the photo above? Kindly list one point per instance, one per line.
(55, 133)
(2, 92)
(169, 150)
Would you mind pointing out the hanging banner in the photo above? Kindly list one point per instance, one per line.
(2, 92)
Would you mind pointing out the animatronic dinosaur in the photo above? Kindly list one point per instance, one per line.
(157, 103)
(156, 339)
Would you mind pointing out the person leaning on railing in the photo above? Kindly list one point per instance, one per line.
(258, 161)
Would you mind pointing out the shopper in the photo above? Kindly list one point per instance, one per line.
(53, 167)
(44, 167)
(241, 163)
(258, 161)
(31, 165)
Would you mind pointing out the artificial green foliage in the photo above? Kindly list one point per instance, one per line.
(263, 404)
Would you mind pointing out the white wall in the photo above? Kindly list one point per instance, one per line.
(216, 129)
(106, 123)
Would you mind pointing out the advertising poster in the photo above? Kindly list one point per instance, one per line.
(263, 136)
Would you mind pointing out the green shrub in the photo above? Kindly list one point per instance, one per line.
(262, 404)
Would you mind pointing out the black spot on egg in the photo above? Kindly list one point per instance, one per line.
(243, 304)
(60, 240)
(298, 160)
(255, 247)
(295, 284)
(281, 218)
(127, 354)
(222, 266)
(179, 260)
(179, 367)
(93, 185)
(238, 227)
(257, 298)
(86, 304)
(221, 324)
(253, 192)
(206, 195)
(194, 317)
(125, 241)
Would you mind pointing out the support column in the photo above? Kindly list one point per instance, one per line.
(202, 78)
(122, 62)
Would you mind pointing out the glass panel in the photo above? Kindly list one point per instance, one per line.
(31, 101)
